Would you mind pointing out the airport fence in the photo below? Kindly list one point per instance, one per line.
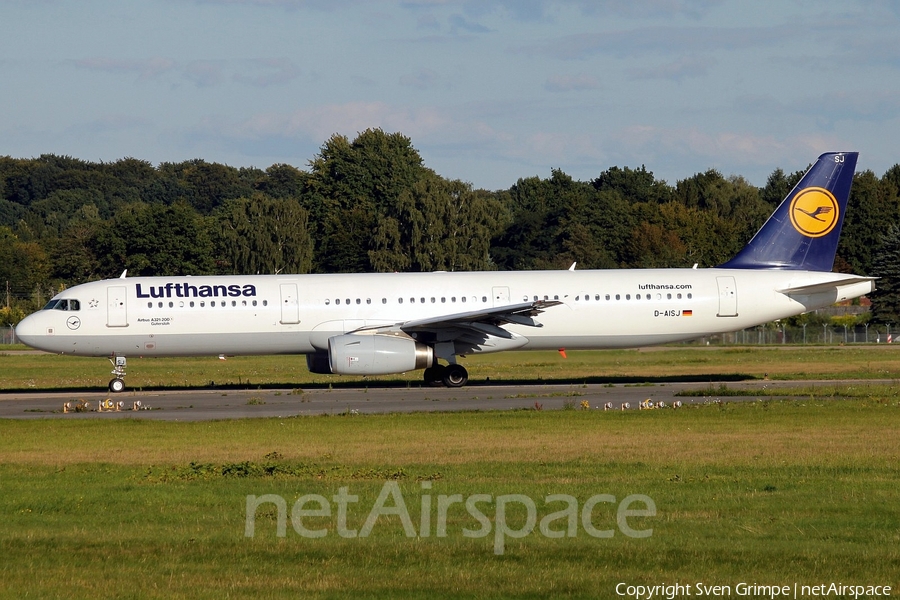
(8, 335)
(775, 333)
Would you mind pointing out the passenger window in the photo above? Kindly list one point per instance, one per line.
(192, 304)
(254, 303)
(618, 297)
(384, 300)
(171, 305)
(265, 302)
(484, 298)
(202, 304)
(368, 301)
(412, 300)
(160, 304)
(638, 297)
(149, 305)
(607, 296)
(679, 296)
(337, 301)
(400, 300)
(690, 296)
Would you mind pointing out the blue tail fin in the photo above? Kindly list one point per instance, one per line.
(803, 231)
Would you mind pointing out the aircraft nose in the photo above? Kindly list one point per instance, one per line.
(29, 331)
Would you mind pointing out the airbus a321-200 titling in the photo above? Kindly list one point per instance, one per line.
(386, 323)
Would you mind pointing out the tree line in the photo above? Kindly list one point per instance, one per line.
(371, 205)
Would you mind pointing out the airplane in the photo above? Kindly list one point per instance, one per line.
(388, 323)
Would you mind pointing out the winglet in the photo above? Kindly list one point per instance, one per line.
(804, 230)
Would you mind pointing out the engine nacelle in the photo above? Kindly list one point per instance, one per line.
(353, 354)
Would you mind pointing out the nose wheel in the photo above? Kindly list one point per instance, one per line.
(117, 384)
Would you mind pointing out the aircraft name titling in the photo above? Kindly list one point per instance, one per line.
(187, 290)
(664, 286)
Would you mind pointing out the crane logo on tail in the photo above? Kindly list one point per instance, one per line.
(814, 212)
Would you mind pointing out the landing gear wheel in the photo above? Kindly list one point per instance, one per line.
(455, 376)
(116, 385)
(434, 376)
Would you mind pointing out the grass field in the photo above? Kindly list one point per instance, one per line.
(771, 492)
(23, 371)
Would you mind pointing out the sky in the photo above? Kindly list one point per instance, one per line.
(488, 91)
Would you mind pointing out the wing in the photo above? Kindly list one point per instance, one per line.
(474, 331)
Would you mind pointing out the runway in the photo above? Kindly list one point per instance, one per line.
(211, 404)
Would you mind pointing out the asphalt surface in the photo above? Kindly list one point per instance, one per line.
(210, 404)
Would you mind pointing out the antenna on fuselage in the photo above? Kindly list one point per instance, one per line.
(124, 273)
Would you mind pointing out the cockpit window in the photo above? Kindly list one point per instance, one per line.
(63, 304)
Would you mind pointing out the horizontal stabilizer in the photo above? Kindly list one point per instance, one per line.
(828, 286)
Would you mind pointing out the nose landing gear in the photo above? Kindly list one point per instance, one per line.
(117, 384)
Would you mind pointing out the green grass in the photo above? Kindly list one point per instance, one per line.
(20, 371)
(772, 492)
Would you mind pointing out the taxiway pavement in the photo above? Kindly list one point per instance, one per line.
(209, 404)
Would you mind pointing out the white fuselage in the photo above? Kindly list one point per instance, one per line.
(297, 314)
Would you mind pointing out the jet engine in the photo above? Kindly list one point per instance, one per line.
(353, 354)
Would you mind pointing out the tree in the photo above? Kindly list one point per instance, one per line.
(264, 235)
(23, 264)
(868, 212)
(437, 225)
(351, 187)
(72, 255)
(886, 266)
(634, 185)
(154, 239)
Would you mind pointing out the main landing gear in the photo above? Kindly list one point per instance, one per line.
(452, 376)
(117, 384)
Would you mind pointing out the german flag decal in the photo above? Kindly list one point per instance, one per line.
(687, 313)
